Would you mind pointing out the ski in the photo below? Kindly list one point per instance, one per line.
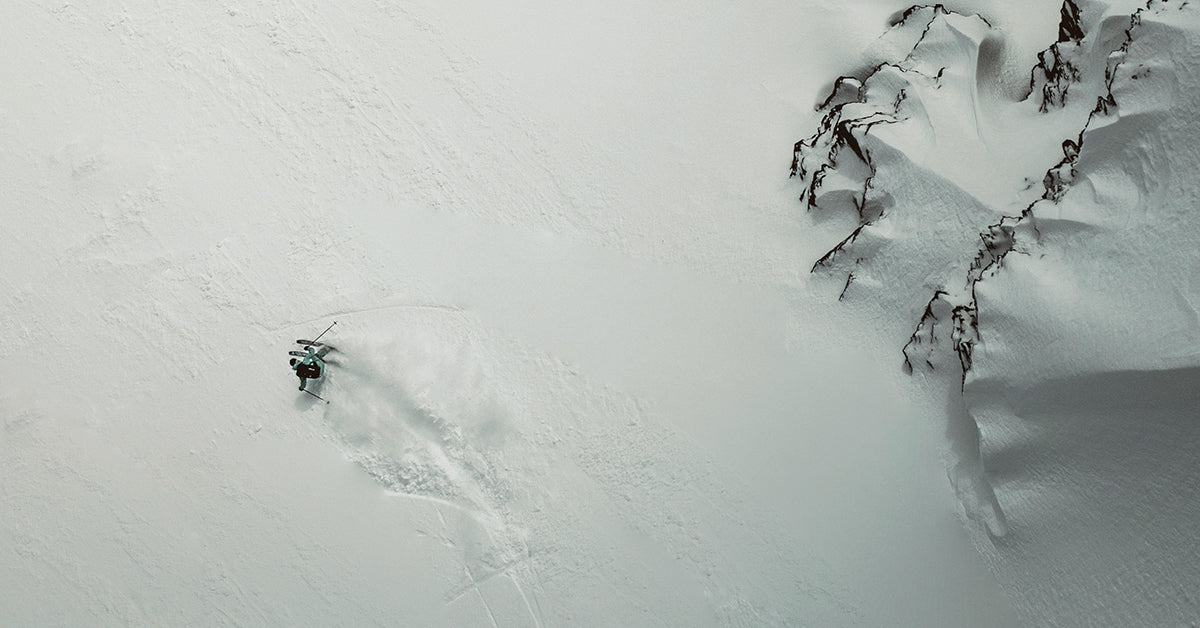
(301, 354)
(308, 344)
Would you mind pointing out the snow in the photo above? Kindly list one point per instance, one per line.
(584, 374)
(1066, 307)
(1093, 426)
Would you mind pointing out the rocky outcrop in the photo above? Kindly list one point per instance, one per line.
(1069, 28)
(1058, 66)
(1002, 238)
(838, 169)
(1050, 271)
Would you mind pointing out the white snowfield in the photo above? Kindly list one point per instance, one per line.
(600, 361)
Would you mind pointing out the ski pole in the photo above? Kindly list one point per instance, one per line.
(316, 395)
(323, 333)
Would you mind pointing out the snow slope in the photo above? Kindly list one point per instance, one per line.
(583, 378)
(1050, 232)
(1085, 386)
(597, 364)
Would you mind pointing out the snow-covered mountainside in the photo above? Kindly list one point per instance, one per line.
(1053, 236)
(581, 378)
(584, 375)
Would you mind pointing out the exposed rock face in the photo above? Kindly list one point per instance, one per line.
(1058, 66)
(1069, 28)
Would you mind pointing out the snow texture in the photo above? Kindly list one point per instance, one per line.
(581, 379)
(1070, 316)
(595, 365)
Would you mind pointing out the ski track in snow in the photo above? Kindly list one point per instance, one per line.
(387, 417)
(426, 415)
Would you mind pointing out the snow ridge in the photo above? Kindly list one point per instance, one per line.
(838, 171)
(1065, 271)
(1003, 237)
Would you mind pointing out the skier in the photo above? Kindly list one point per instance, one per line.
(311, 365)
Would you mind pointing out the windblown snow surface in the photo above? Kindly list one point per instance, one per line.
(1054, 235)
(600, 361)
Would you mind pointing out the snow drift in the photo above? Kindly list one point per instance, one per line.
(1055, 235)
